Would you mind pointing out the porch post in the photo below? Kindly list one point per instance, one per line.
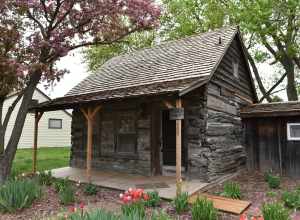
(89, 116)
(37, 117)
(178, 151)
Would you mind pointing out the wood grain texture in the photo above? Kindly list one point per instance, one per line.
(224, 204)
(268, 147)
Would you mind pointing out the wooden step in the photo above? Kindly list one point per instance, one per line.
(234, 206)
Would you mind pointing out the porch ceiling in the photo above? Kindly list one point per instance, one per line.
(121, 181)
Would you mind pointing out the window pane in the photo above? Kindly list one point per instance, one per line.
(295, 131)
(126, 143)
(55, 123)
(126, 132)
(107, 137)
(126, 123)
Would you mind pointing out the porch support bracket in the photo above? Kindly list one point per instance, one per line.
(37, 118)
(89, 114)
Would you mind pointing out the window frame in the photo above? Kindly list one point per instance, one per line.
(116, 120)
(289, 138)
(55, 119)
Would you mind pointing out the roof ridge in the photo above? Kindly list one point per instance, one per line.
(165, 43)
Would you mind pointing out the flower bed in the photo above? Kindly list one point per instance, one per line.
(253, 187)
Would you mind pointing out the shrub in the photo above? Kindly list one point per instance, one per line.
(232, 190)
(291, 199)
(203, 209)
(274, 181)
(275, 211)
(66, 195)
(90, 189)
(61, 184)
(18, 194)
(267, 174)
(271, 194)
(181, 203)
(45, 178)
(153, 199)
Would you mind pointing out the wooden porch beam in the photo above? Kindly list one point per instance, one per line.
(37, 118)
(89, 115)
(178, 151)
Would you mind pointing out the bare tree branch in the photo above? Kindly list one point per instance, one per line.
(257, 77)
(274, 86)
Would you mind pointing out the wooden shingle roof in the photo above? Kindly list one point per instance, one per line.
(175, 66)
(190, 57)
(275, 109)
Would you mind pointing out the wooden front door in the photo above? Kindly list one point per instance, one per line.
(169, 140)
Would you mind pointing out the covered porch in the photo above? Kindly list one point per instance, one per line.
(129, 138)
(164, 185)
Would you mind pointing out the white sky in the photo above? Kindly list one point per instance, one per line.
(78, 71)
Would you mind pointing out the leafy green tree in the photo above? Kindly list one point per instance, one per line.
(97, 55)
(270, 28)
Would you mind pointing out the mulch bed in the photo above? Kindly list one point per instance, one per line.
(253, 188)
(256, 190)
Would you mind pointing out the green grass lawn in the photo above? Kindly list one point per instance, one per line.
(47, 159)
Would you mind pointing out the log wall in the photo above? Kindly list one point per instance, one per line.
(224, 135)
(268, 147)
(105, 154)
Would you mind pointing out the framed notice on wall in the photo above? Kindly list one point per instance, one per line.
(176, 114)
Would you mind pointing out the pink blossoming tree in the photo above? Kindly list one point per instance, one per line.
(35, 34)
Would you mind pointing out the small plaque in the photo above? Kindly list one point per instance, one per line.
(177, 114)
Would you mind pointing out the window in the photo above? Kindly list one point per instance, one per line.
(235, 68)
(126, 133)
(55, 123)
(118, 133)
(293, 131)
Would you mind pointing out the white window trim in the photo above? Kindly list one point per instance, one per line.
(289, 138)
(55, 119)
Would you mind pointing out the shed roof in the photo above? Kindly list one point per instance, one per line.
(171, 67)
(275, 109)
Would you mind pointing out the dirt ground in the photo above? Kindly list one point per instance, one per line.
(253, 188)
(256, 190)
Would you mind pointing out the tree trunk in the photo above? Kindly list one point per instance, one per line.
(257, 77)
(2, 133)
(291, 90)
(7, 157)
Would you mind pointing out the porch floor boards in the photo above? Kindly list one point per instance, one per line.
(121, 181)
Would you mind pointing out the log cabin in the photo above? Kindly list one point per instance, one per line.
(170, 108)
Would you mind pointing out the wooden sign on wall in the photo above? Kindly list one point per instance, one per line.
(176, 114)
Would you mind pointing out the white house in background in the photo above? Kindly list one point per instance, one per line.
(54, 127)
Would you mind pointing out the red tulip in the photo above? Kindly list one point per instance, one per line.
(243, 217)
(81, 205)
(72, 209)
(146, 196)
